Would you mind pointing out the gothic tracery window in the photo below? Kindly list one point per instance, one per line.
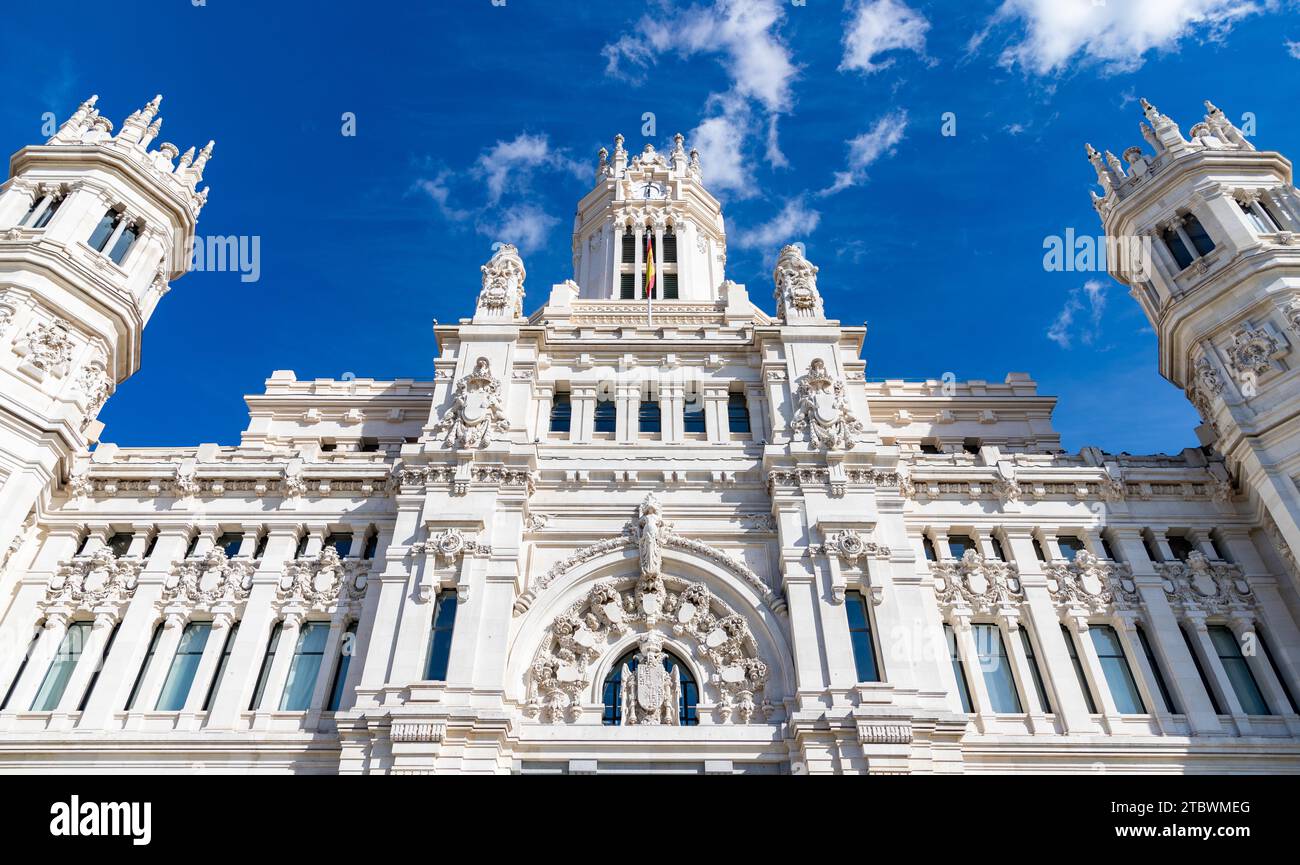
(611, 694)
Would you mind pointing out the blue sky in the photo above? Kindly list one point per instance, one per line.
(818, 123)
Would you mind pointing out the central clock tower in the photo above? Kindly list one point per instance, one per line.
(655, 197)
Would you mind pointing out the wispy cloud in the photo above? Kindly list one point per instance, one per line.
(1069, 326)
(1293, 48)
(1052, 34)
(512, 164)
(867, 148)
(878, 26)
(527, 226)
(795, 220)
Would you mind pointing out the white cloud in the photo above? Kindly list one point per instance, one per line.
(720, 140)
(527, 226)
(439, 192)
(511, 164)
(1116, 35)
(879, 26)
(1293, 48)
(795, 220)
(868, 147)
(1092, 297)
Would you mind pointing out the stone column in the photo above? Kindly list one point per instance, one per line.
(754, 401)
(582, 425)
(716, 424)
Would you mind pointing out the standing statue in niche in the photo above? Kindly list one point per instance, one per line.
(652, 694)
(650, 531)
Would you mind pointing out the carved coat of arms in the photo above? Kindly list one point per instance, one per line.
(651, 695)
(476, 414)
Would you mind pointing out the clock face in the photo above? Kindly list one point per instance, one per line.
(648, 189)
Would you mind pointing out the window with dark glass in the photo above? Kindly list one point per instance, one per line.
(959, 544)
(372, 545)
(1106, 549)
(606, 416)
(693, 415)
(1259, 220)
(648, 417)
(1070, 546)
(1200, 239)
(41, 211)
(1038, 551)
(927, 546)
(1078, 669)
(670, 247)
(629, 247)
(144, 666)
(369, 445)
(612, 692)
(970, 446)
(999, 681)
(864, 647)
(1200, 671)
(184, 666)
(119, 543)
(61, 666)
(670, 286)
(1035, 670)
(301, 549)
(930, 447)
(125, 240)
(103, 230)
(22, 667)
(561, 412)
(230, 542)
(340, 541)
(347, 646)
(94, 676)
(1277, 671)
(1238, 670)
(998, 551)
(958, 669)
(261, 545)
(444, 625)
(221, 666)
(737, 413)
(1116, 670)
(1181, 547)
(304, 669)
(268, 658)
(1174, 243)
(627, 286)
(1165, 696)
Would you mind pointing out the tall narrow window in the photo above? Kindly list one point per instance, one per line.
(864, 647)
(1238, 670)
(346, 648)
(1165, 696)
(737, 413)
(606, 416)
(693, 415)
(22, 667)
(670, 291)
(144, 666)
(670, 247)
(180, 678)
(958, 669)
(444, 625)
(372, 545)
(1035, 670)
(998, 552)
(648, 417)
(627, 286)
(265, 673)
(103, 659)
(1078, 669)
(1260, 221)
(221, 666)
(1115, 667)
(1200, 240)
(305, 667)
(612, 692)
(561, 413)
(1200, 671)
(43, 218)
(260, 549)
(927, 546)
(1277, 671)
(629, 247)
(61, 667)
(103, 230)
(36, 203)
(1038, 551)
(1178, 249)
(996, 667)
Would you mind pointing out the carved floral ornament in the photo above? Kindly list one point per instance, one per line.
(323, 583)
(94, 580)
(981, 584)
(660, 608)
(1215, 588)
(1091, 583)
(476, 416)
(650, 535)
(822, 408)
(503, 282)
(210, 579)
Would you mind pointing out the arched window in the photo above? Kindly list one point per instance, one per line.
(613, 691)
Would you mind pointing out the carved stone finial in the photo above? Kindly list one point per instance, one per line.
(503, 283)
(796, 286)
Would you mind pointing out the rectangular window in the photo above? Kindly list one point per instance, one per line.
(103, 659)
(648, 417)
(1078, 669)
(561, 413)
(629, 248)
(670, 286)
(959, 544)
(1165, 696)
(229, 542)
(1115, 667)
(305, 667)
(670, 247)
(606, 417)
(341, 542)
(1238, 670)
(693, 415)
(47, 214)
(927, 546)
(996, 666)
(1070, 546)
(104, 230)
(738, 413)
(144, 666)
(119, 543)
(1196, 231)
(1178, 249)
(61, 667)
(221, 666)
(372, 545)
(444, 624)
(1205, 680)
(346, 647)
(627, 286)
(1180, 547)
(864, 650)
(36, 202)
(22, 667)
(998, 551)
(1035, 671)
(125, 241)
(1277, 671)
(176, 688)
(265, 673)
(958, 669)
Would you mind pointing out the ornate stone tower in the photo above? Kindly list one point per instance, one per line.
(653, 196)
(1220, 222)
(93, 227)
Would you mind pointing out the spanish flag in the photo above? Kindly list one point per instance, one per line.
(649, 265)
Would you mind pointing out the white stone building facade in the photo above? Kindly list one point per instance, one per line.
(678, 535)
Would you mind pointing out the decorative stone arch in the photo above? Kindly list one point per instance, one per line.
(735, 646)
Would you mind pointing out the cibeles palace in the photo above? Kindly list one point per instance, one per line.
(612, 533)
